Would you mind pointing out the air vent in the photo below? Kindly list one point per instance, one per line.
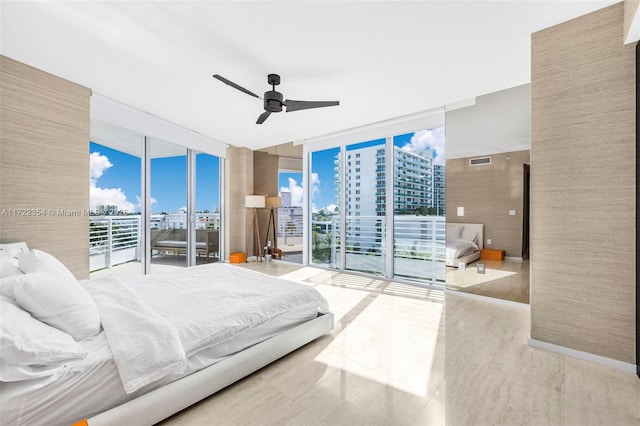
(480, 161)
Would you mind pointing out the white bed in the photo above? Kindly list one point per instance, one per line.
(464, 242)
(221, 343)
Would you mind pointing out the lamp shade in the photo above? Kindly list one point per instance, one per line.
(274, 202)
(254, 201)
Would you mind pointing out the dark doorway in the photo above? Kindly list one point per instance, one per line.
(525, 211)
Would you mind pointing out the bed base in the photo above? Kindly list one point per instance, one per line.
(163, 402)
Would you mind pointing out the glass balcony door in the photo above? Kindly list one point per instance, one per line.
(207, 208)
(365, 207)
(289, 229)
(169, 219)
(325, 241)
(115, 222)
(418, 206)
(386, 207)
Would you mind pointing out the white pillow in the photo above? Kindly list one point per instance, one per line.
(40, 261)
(13, 250)
(6, 286)
(26, 341)
(454, 231)
(60, 301)
(9, 269)
(469, 235)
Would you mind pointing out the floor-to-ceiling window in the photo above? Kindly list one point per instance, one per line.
(207, 208)
(168, 205)
(289, 229)
(115, 223)
(365, 207)
(418, 206)
(325, 232)
(156, 203)
(389, 194)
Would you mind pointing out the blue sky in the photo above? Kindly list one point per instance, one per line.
(115, 179)
(115, 176)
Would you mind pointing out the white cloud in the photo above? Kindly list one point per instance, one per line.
(331, 208)
(109, 196)
(296, 190)
(315, 183)
(98, 165)
(428, 139)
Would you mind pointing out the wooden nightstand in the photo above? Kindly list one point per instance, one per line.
(491, 254)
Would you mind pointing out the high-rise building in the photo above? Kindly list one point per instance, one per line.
(107, 209)
(419, 182)
(290, 221)
(286, 198)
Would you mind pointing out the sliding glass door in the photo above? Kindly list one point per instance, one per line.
(365, 206)
(326, 247)
(418, 206)
(115, 221)
(207, 208)
(290, 229)
(164, 183)
(168, 205)
(389, 194)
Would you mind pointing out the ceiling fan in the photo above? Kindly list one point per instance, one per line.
(273, 101)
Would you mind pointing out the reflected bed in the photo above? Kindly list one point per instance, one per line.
(464, 242)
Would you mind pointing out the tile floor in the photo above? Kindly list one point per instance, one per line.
(507, 280)
(401, 355)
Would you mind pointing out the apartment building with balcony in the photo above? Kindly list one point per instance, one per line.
(419, 182)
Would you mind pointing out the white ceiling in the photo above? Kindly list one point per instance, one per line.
(497, 122)
(381, 59)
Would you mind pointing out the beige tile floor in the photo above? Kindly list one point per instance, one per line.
(507, 280)
(401, 355)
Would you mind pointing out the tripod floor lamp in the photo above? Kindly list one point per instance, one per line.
(255, 202)
(273, 203)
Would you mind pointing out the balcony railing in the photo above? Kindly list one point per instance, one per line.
(113, 240)
(418, 246)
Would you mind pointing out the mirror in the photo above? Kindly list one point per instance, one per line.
(487, 203)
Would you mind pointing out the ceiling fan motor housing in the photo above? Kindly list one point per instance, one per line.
(273, 101)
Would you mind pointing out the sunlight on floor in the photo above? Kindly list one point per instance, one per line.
(470, 276)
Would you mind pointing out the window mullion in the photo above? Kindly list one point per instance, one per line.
(389, 208)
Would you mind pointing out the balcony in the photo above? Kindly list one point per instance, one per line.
(115, 244)
(114, 240)
(418, 247)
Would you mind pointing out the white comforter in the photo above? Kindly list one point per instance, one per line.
(153, 325)
(457, 248)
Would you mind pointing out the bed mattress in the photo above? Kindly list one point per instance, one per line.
(93, 384)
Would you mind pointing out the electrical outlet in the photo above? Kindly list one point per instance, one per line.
(488, 242)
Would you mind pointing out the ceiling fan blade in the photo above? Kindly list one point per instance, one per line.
(298, 105)
(235, 86)
(263, 117)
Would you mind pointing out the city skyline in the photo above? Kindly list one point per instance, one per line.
(115, 176)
